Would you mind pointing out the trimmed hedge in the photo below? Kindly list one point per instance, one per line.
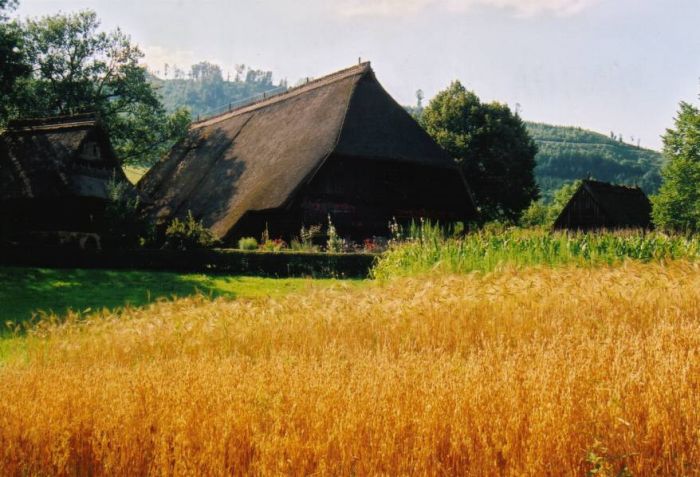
(228, 261)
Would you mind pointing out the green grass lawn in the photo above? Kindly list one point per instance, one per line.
(25, 292)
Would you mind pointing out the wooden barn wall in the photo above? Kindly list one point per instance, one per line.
(583, 213)
(362, 196)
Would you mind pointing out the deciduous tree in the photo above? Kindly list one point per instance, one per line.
(13, 63)
(491, 145)
(677, 205)
(77, 68)
(542, 214)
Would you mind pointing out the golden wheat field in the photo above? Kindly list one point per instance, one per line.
(531, 372)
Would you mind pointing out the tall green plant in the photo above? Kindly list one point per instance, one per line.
(335, 243)
(126, 226)
(188, 234)
(431, 248)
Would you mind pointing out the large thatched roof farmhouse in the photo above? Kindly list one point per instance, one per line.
(55, 174)
(337, 145)
(599, 205)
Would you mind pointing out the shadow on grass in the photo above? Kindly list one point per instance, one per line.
(25, 292)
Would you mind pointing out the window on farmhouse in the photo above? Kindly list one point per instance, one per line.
(90, 151)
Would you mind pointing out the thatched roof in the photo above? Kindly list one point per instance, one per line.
(623, 206)
(258, 156)
(45, 158)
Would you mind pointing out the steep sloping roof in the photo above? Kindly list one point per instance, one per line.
(40, 158)
(258, 156)
(623, 206)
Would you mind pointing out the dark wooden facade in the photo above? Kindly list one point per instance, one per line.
(599, 205)
(54, 177)
(361, 197)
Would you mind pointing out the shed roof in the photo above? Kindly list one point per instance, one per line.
(258, 156)
(39, 158)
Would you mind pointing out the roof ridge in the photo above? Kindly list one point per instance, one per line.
(596, 183)
(52, 120)
(51, 127)
(361, 67)
(290, 93)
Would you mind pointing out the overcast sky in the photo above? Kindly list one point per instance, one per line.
(606, 65)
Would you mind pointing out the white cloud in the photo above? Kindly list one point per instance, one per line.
(410, 7)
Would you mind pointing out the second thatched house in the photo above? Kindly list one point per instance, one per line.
(338, 145)
(599, 205)
(55, 178)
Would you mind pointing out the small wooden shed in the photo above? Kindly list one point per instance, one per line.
(337, 145)
(600, 205)
(55, 175)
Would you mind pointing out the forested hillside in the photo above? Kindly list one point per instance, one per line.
(568, 153)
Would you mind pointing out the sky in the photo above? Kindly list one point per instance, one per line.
(617, 66)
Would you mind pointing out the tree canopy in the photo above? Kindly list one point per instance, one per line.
(492, 146)
(12, 59)
(542, 213)
(77, 68)
(6, 5)
(205, 89)
(677, 205)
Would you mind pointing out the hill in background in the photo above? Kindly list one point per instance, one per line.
(570, 153)
(204, 90)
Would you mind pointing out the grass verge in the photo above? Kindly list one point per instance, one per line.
(27, 292)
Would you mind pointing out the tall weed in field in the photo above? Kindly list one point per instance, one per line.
(429, 248)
